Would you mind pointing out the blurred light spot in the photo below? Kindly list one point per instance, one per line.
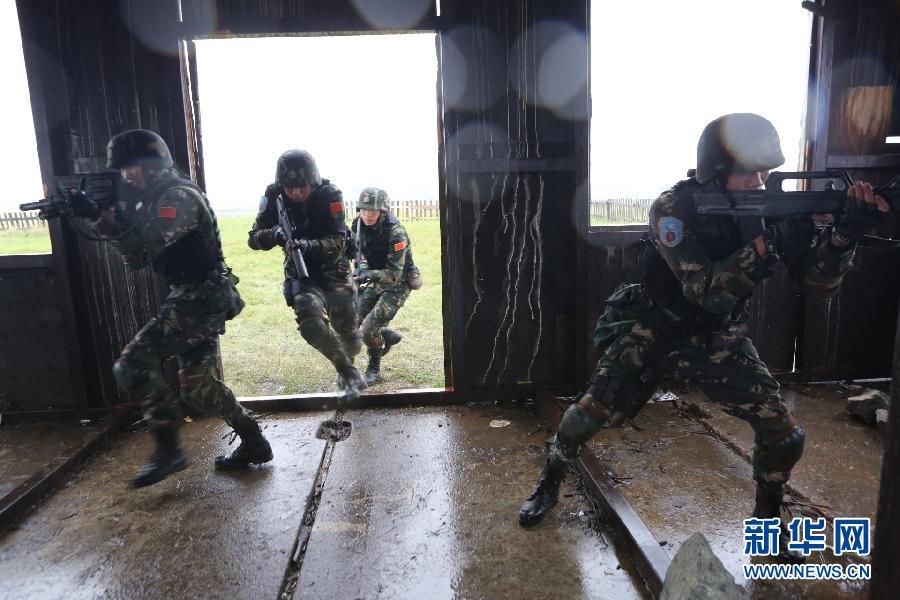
(471, 86)
(396, 14)
(555, 55)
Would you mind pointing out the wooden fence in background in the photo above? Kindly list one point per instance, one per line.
(405, 210)
(614, 210)
(20, 220)
(621, 210)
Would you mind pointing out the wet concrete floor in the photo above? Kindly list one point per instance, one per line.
(197, 534)
(422, 503)
(416, 503)
(841, 464)
(681, 479)
(27, 449)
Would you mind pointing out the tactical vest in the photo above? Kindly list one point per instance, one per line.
(194, 255)
(376, 241)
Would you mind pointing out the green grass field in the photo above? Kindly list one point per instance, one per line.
(24, 241)
(262, 351)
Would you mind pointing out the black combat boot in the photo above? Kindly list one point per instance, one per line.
(546, 493)
(254, 448)
(769, 496)
(373, 371)
(390, 337)
(168, 458)
(350, 381)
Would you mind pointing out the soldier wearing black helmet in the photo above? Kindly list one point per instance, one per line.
(688, 318)
(324, 303)
(165, 221)
(387, 274)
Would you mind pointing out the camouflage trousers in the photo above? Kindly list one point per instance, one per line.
(376, 310)
(325, 311)
(723, 364)
(187, 328)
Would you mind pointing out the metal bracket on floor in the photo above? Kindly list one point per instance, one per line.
(20, 501)
(649, 559)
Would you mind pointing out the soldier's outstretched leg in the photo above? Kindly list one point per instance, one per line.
(742, 385)
(168, 458)
(309, 308)
(254, 448)
(199, 388)
(138, 372)
(577, 426)
(373, 370)
(778, 446)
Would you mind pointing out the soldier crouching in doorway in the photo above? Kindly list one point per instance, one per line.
(688, 318)
(165, 220)
(324, 303)
(386, 274)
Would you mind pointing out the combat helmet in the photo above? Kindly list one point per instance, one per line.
(296, 167)
(374, 198)
(737, 143)
(138, 147)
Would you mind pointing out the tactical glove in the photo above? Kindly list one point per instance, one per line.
(367, 276)
(82, 205)
(858, 218)
(791, 236)
(269, 238)
(302, 245)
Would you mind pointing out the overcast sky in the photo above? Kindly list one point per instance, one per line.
(365, 106)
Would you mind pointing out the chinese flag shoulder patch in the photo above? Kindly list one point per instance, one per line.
(399, 246)
(166, 212)
(337, 206)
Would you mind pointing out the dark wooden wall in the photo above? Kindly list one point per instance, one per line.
(34, 367)
(513, 190)
(852, 335)
(96, 68)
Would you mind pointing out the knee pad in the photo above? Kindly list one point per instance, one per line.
(576, 427)
(352, 343)
(371, 335)
(315, 331)
(778, 457)
(624, 395)
(123, 373)
(137, 368)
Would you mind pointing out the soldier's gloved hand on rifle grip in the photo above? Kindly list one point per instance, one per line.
(790, 236)
(366, 276)
(859, 216)
(269, 238)
(82, 205)
(302, 245)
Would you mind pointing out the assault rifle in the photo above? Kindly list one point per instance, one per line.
(774, 201)
(101, 188)
(287, 227)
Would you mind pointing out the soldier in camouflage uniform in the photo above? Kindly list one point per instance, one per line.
(386, 274)
(325, 302)
(164, 220)
(688, 319)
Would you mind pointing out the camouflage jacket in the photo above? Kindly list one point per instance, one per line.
(385, 249)
(701, 269)
(320, 219)
(169, 225)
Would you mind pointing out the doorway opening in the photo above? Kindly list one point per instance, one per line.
(365, 107)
